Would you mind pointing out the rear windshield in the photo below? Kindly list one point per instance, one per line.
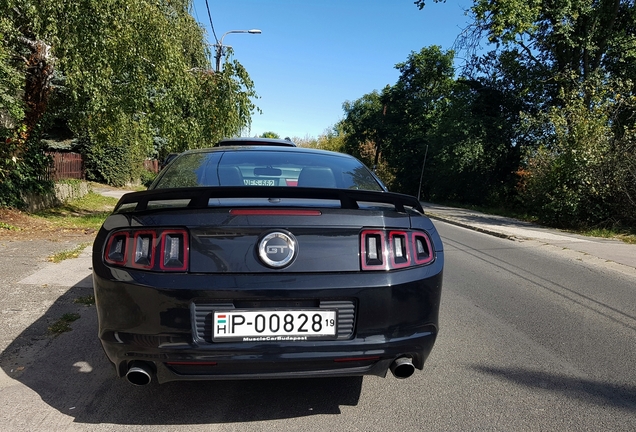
(267, 168)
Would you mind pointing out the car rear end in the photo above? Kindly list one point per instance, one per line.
(227, 282)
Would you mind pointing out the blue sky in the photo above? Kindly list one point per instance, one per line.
(313, 55)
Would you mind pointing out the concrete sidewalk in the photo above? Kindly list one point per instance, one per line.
(607, 250)
(113, 193)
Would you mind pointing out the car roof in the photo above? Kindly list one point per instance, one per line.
(247, 141)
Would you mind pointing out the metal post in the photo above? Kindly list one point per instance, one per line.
(419, 191)
(219, 53)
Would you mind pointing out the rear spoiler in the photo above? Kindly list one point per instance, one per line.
(199, 196)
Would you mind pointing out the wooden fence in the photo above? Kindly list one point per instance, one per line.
(152, 165)
(66, 166)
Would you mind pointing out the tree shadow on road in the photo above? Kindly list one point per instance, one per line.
(592, 392)
(70, 373)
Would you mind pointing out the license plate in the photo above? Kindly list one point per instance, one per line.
(273, 326)
(259, 182)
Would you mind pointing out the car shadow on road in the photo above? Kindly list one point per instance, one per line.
(588, 391)
(71, 374)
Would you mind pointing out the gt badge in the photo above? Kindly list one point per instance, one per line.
(277, 249)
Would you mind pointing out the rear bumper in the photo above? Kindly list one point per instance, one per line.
(149, 317)
(350, 358)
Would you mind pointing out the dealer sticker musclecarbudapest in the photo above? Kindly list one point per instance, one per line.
(274, 325)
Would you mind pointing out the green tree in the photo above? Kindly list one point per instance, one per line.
(562, 74)
(415, 106)
(477, 144)
(133, 80)
(331, 139)
(362, 125)
(391, 130)
(578, 139)
(567, 38)
(270, 135)
(11, 105)
(26, 66)
(364, 132)
(581, 173)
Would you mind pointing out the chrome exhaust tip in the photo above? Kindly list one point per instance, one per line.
(139, 374)
(402, 367)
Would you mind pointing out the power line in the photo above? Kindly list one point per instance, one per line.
(193, 6)
(211, 24)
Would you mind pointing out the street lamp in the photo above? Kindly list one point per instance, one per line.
(219, 45)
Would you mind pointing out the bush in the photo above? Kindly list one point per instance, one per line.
(581, 174)
(23, 168)
(114, 154)
(147, 177)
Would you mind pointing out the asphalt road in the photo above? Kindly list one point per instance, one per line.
(530, 339)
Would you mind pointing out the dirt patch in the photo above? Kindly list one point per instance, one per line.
(18, 225)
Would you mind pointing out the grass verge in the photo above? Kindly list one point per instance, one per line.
(625, 234)
(9, 227)
(86, 301)
(63, 324)
(88, 212)
(68, 254)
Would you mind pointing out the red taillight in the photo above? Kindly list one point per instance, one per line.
(393, 249)
(373, 250)
(399, 249)
(422, 249)
(174, 250)
(143, 249)
(116, 249)
(149, 249)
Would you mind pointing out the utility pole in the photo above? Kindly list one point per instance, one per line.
(379, 142)
(419, 191)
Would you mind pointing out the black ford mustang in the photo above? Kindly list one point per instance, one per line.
(264, 260)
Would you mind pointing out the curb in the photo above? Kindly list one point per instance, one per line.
(470, 227)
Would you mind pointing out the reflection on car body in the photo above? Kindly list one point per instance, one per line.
(266, 261)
